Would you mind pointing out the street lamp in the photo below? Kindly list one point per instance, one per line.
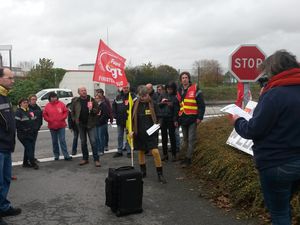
(7, 48)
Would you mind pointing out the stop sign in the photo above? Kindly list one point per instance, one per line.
(244, 61)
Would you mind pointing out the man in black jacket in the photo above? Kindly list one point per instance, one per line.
(37, 113)
(119, 108)
(7, 143)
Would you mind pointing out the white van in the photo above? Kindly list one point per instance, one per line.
(64, 95)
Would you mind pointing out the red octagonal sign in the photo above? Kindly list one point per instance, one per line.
(244, 61)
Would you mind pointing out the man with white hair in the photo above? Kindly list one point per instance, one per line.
(84, 114)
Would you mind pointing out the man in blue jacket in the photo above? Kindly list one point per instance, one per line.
(7, 143)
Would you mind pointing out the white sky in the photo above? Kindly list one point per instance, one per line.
(172, 32)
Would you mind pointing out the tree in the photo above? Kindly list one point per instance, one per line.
(209, 72)
(41, 76)
(147, 73)
(22, 89)
(45, 75)
(26, 65)
(165, 74)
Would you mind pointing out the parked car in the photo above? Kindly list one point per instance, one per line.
(64, 95)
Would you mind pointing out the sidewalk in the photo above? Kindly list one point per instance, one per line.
(64, 193)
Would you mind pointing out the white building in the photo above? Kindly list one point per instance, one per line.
(73, 79)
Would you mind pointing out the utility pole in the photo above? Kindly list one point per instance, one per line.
(7, 48)
(198, 69)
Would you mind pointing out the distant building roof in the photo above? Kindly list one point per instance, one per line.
(87, 64)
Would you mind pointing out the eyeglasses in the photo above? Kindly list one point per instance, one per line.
(9, 78)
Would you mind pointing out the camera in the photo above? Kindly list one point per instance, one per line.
(263, 81)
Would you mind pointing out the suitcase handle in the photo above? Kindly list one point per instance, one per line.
(124, 168)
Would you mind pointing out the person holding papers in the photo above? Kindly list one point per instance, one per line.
(145, 131)
(275, 131)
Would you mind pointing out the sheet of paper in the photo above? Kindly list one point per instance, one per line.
(235, 110)
(152, 129)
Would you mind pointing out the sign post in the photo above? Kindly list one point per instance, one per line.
(243, 64)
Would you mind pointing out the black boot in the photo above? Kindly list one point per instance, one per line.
(165, 157)
(174, 158)
(161, 178)
(34, 165)
(187, 162)
(143, 170)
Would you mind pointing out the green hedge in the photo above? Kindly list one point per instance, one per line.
(226, 171)
(228, 92)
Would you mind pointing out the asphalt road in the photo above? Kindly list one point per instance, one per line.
(64, 193)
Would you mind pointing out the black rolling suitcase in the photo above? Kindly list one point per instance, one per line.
(124, 190)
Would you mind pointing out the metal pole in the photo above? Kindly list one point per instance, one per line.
(246, 93)
(107, 36)
(10, 61)
(198, 76)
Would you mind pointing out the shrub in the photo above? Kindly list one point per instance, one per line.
(226, 171)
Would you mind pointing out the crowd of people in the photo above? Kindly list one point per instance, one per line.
(88, 117)
(274, 129)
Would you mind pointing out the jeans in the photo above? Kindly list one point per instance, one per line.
(5, 178)
(59, 135)
(100, 137)
(91, 132)
(28, 144)
(121, 145)
(278, 185)
(75, 141)
(189, 138)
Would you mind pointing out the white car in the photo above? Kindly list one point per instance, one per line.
(64, 95)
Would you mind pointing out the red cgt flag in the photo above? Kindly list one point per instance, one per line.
(109, 67)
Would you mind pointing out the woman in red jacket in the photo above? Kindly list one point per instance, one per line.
(55, 113)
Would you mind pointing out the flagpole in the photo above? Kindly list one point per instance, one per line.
(107, 41)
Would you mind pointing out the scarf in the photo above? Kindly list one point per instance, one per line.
(3, 91)
(286, 78)
(134, 114)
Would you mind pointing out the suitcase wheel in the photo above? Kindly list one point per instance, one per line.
(118, 213)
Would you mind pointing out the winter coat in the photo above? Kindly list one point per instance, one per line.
(168, 110)
(120, 107)
(38, 113)
(103, 115)
(56, 113)
(91, 115)
(7, 125)
(25, 123)
(274, 127)
(141, 140)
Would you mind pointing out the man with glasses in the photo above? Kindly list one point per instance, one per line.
(119, 108)
(7, 143)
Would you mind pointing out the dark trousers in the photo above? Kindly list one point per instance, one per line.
(35, 134)
(75, 141)
(167, 127)
(28, 144)
(106, 135)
